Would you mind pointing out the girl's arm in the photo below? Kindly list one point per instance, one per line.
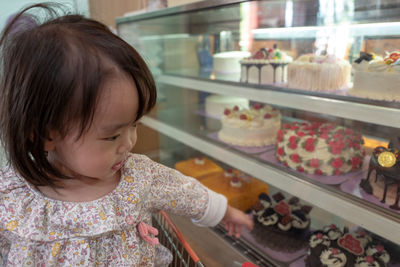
(179, 194)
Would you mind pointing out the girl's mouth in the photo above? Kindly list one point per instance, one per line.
(117, 166)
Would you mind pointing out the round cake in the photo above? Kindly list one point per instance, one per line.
(228, 62)
(377, 78)
(279, 224)
(319, 148)
(331, 246)
(266, 66)
(319, 73)
(216, 104)
(382, 180)
(254, 127)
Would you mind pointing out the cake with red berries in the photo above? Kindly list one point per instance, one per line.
(331, 246)
(266, 66)
(377, 77)
(319, 73)
(240, 189)
(319, 148)
(254, 127)
(198, 167)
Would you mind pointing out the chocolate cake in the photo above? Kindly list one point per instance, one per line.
(281, 225)
(336, 248)
(383, 178)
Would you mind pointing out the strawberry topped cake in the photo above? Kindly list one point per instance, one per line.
(319, 148)
(254, 127)
(266, 66)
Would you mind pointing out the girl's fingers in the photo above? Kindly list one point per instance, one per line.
(238, 230)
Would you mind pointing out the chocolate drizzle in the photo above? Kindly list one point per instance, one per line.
(259, 66)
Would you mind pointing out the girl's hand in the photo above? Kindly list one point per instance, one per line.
(234, 219)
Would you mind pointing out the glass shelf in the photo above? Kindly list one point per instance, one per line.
(185, 125)
(366, 110)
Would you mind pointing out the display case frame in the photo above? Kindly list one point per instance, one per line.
(380, 113)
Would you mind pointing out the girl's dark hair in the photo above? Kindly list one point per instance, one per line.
(51, 77)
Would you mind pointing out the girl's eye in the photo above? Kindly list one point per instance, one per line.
(113, 138)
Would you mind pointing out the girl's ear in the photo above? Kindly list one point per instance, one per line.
(50, 142)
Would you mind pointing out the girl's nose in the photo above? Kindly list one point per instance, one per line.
(127, 142)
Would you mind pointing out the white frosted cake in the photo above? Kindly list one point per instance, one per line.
(216, 104)
(254, 127)
(228, 62)
(266, 66)
(319, 73)
(319, 148)
(377, 78)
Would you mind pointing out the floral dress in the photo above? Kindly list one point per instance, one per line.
(39, 231)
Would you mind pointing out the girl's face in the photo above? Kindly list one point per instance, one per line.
(100, 152)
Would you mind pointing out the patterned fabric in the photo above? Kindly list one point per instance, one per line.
(39, 231)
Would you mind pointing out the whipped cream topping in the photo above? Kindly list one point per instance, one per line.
(333, 257)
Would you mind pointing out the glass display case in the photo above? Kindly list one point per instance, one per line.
(328, 71)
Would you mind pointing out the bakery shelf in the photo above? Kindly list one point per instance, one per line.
(353, 30)
(376, 112)
(376, 219)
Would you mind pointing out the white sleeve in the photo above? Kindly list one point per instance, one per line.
(215, 212)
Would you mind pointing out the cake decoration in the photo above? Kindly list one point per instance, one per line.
(319, 148)
(199, 160)
(229, 173)
(235, 182)
(266, 66)
(215, 105)
(383, 177)
(377, 251)
(333, 257)
(283, 215)
(250, 127)
(318, 238)
(352, 244)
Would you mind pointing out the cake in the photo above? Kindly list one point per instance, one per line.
(198, 167)
(319, 73)
(254, 127)
(377, 78)
(383, 177)
(228, 62)
(216, 104)
(333, 247)
(281, 224)
(266, 66)
(240, 189)
(319, 148)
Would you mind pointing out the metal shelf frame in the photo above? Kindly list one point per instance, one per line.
(357, 212)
